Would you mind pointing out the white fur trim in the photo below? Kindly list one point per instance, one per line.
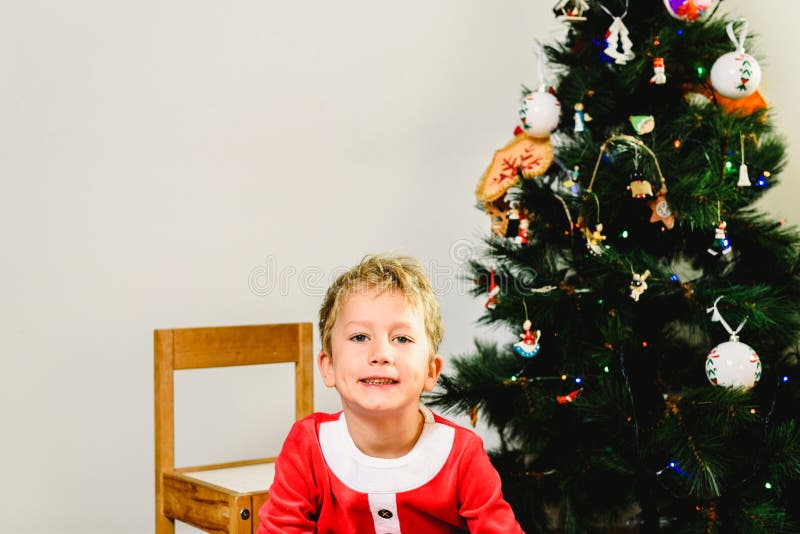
(366, 474)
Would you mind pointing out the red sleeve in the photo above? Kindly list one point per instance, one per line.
(480, 497)
(293, 502)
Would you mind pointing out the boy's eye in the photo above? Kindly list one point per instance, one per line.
(358, 338)
(403, 339)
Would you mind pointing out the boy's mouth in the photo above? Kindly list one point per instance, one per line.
(375, 381)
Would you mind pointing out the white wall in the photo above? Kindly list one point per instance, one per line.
(158, 158)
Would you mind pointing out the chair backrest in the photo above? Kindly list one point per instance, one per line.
(196, 348)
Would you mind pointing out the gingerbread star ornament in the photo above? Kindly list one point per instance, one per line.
(661, 211)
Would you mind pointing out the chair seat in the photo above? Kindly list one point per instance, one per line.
(243, 479)
(222, 498)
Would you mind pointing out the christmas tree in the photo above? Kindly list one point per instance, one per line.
(652, 361)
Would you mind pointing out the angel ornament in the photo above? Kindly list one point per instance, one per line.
(594, 239)
(581, 118)
(639, 285)
(529, 346)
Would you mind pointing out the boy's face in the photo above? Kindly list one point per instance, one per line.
(379, 361)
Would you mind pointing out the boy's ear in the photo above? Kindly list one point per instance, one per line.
(325, 364)
(434, 370)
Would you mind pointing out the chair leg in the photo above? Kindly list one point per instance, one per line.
(164, 525)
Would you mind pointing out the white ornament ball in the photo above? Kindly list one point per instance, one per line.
(539, 113)
(735, 75)
(690, 10)
(733, 364)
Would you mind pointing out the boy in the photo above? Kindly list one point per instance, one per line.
(385, 463)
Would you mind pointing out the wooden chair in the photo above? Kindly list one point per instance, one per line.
(222, 497)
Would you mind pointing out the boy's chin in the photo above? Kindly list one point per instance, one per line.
(380, 409)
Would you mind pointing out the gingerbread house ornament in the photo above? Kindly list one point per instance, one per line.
(571, 10)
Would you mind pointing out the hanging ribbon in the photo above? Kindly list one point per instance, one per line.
(717, 317)
(540, 66)
(738, 42)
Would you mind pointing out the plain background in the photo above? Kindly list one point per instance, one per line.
(186, 163)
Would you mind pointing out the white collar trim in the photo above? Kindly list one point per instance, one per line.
(367, 474)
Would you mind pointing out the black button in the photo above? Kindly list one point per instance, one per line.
(384, 513)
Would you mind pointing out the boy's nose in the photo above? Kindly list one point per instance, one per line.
(382, 355)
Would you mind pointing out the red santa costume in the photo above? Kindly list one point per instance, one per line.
(325, 484)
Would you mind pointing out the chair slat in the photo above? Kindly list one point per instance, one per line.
(196, 348)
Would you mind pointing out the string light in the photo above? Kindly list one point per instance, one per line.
(644, 344)
(768, 485)
(578, 380)
(674, 466)
(674, 278)
(701, 71)
(785, 378)
(762, 181)
(624, 234)
(676, 143)
(680, 32)
(606, 369)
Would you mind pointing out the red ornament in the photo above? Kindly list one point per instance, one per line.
(569, 397)
(494, 289)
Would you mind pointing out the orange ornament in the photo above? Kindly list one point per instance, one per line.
(743, 106)
(739, 106)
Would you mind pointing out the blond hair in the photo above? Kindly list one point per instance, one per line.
(384, 273)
